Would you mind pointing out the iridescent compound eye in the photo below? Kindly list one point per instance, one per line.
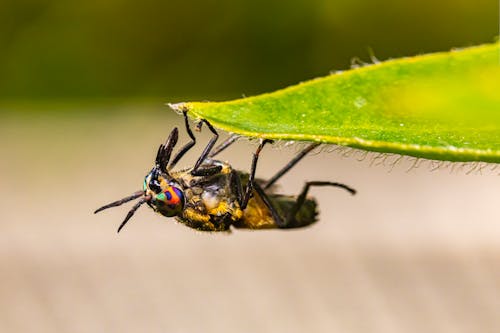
(170, 202)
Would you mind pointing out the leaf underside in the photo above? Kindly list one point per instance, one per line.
(443, 106)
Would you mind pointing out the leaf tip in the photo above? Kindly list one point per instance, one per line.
(178, 107)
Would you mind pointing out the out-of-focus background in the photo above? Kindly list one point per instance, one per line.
(82, 92)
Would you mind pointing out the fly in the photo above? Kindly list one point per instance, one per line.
(212, 196)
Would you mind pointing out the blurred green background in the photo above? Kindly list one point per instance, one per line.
(52, 49)
(82, 92)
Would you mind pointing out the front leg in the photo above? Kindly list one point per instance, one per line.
(290, 220)
(188, 146)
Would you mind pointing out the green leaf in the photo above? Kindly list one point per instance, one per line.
(443, 106)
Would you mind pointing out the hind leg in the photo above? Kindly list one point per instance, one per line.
(290, 220)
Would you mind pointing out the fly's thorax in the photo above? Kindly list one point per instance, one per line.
(212, 195)
(219, 199)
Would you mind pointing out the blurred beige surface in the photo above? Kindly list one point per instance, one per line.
(414, 251)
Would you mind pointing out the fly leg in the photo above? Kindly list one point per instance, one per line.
(276, 216)
(236, 187)
(261, 192)
(208, 171)
(229, 141)
(188, 146)
(209, 146)
(290, 220)
(290, 164)
(251, 178)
